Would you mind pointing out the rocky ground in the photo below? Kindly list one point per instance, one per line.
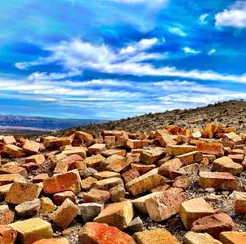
(231, 113)
(171, 185)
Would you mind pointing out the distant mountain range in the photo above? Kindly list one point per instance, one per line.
(12, 122)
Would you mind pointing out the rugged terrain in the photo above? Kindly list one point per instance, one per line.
(231, 113)
(174, 185)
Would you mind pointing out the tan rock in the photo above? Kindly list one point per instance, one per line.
(164, 138)
(176, 150)
(116, 214)
(52, 241)
(96, 148)
(46, 205)
(32, 230)
(115, 163)
(135, 143)
(40, 178)
(194, 209)
(140, 203)
(7, 235)
(182, 182)
(190, 158)
(65, 214)
(84, 136)
(152, 155)
(96, 195)
(69, 181)
(164, 205)
(106, 174)
(240, 202)
(88, 183)
(106, 184)
(96, 233)
(143, 168)
(233, 237)
(170, 166)
(199, 238)
(28, 209)
(114, 151)
(22, 192)
(226, 164)
(213, 224)
(6, 215)
(145, 182)
(60, 197)
(9, 140)
(38, 159)
(117, 192)
(130, 175)
(232, 136)
(237, 158)
(13, 150)
(94, 161)
(218, 180)
(157, 236)
(31, 147)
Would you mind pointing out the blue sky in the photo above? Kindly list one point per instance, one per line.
(110, 59)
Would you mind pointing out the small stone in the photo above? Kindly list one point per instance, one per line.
(46, 205)
(89, 211)
(60, 197)
(22, 192)
(32, 230)
(6, 215)
(116, 214)
(7, 235)
(96, 233)
(136, 225)
(194, 209)
(65, 214)
(28, 209)
(157, 236)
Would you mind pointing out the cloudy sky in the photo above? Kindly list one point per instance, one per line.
(119, 58)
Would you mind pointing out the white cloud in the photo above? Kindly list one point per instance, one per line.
(76, 55)
(234, 16)
(202, 19)
(176, 31)
(190, 50)
(212, 51)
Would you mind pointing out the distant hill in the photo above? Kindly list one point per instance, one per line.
(23, 123)
(230, 113)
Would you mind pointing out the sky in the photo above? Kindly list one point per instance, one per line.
(110, 59)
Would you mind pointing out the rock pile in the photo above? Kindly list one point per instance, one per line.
(171, 186)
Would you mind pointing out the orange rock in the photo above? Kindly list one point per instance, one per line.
(152, 155)
(94, 161)
(96, 233)
(60, 197)
(69, 181)
(190, 158)
(96, 148)
(135, 143)
(214, 148)
(130, 175)
(115, 163)
(240, 202)
(7, 235)
(218, 180)
(169, 166)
